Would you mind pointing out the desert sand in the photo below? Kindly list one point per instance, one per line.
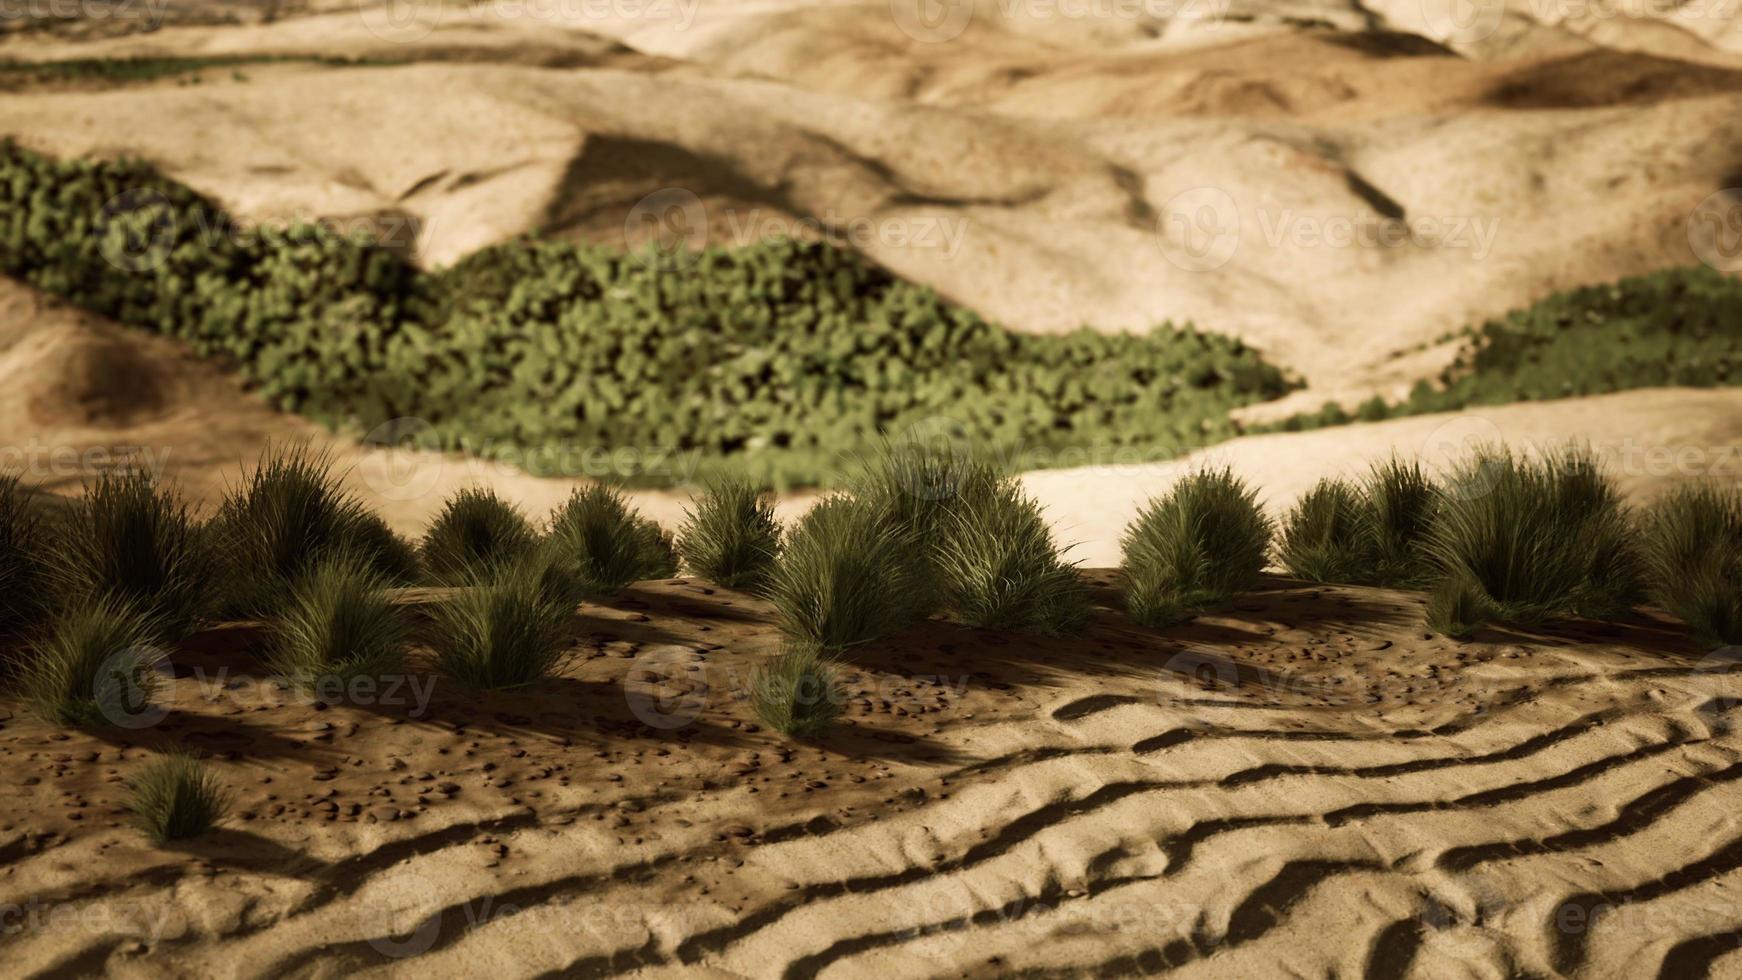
(1304, 785)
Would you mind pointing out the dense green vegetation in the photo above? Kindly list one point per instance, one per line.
(773, 360)
(1677, 327)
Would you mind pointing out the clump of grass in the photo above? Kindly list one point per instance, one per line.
(1457, 608)
(997, 566)
(1399, 505)
(607, 543)
(130, 540)
(918, 484)
(1326, 536)
(1193, 548)
(730, 535)
(475, 530)
(337, 626)
(1693, 551)
(23, 576)
(510, 626)
(95, 667)
(799, 693)
(847, 575)
(288, 515)
(1538, 538)
(176, 797)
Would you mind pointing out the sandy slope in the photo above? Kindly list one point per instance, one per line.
(1305, 785)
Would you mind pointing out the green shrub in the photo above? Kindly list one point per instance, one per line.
(608, 544)
(730, 535)
(1538, 538)
(95, 667)
(847, 576)
(1399, 505)
(997, 566)
(338, 625)
(799, 693)
(1458, 608)
(176, 797)
(131, 541)
(475, 529)
(1325, 537)
(919, 483)
(1693, 551)
(1195, 547)
(289, 514)
(23, 575)
(772, 359)
(509, 627)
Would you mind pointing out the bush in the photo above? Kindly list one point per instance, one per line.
(1199, 545)
(1325, 537)
(997, 567)
(1537, 538)
(847, 576)
(95, 668)
(919, 483)
(730, 535)
(23, 576)
(1693, 551)
(176, 797)
(770, 359)
(130, 541)
(609, 545)
(1399, 506)
(799, 693)
(1457, 608)
(338, 625)
(509, 627)
(288, 515)
(475, 530)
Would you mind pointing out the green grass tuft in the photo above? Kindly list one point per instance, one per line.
(730, 535)
(1457, 608)
(799, 693)
(509, 627)
(1193, 548)
(1693, 553)
(847, 575)
(475, 530)
(1400, 502)
(131, 541)
(997, 566)
(96, 667)
(608, 544)
(338, 625)
(1325, 537)
(176, 797)
(24, 585)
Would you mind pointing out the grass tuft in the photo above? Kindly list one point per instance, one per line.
(1693, 553)
(510, 626)
(608, 544)
(847, 575)
(289, 514)
(1194, 547)
(1399, 506)
(799, 693)
(1538, 538)
(1457, 608)
(475, 530)
(1325, 537)
(23, 575)
(730, 535)
(997, 567)
(96, 667)
(338, 625)
(176, 797)
(131, 541)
